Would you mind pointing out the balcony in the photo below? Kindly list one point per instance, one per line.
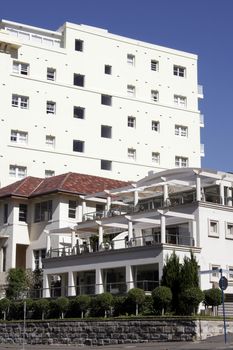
(200, 92)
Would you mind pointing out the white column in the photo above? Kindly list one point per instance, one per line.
(108, 205)
(101, 234)
(229, 196)
(135, 198)
(165, 194)
(71, 284)
(83, 208)
(48, 242)
(193, 226)
(99, 288)
(73, 239)
(221, 187)
(130, 230)
(198, 188)
(46, 286)
(163, 228)
(129, 277)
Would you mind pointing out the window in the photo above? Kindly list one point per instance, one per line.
(179, 71)
(49, 173)
(131, 122)
(51, 107)
(106, 131)
(5, 213)
(20, 68)
(215, 272)
(51, 74)
(23, 208)
(213, 228)
(39, 254)
(19, 136)
(154, 95)
(155, 125)
(79, 112)
(131, 90)
(181, 162)
(78, 146)
(230, 273)
(78, 45)
(132, 153)
(50, 141)
(107, 69)
(156, 157)
(106, 164)
(18, 171)
(43, 211)
(106, 100)
(20, 101)
(131, 59)
(229, 230)
(154, 65)
(72, 209)
(180, 101)
(79, 79)
(181, 130)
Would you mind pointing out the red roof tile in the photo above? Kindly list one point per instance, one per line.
(69, 182)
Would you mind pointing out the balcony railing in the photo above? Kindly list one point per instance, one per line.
(202, 120)
(200, 91)
(202, 150)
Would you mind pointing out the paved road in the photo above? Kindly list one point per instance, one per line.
(214, 343)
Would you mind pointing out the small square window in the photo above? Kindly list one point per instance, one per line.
(215, 272)
(51, 74)
(108, 69)
(154, 95)
(72, 209)
(78, 45)
(179, 71)
(79, 80)
(154, 65)
(132, 153)
(50, 141)
(106, 100)
(79, 112)
(213, 228)
(106, 164)
(106, 131)
(23, 212)
(17, 171)
(180, 101)
(49, 173)
(181, 162)
(131, 59)
(51, 107)
(181, 130)
(156, 157)
(20, 101)
(229, 230)
(19, 136)
(78, 146)
(131, 90)
(155, 125)
(20, 68)
(131, 122)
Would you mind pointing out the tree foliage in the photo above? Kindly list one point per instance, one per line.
(191, 298)
(213, 297)
(162, 297)
(18, 283)
(137, 296)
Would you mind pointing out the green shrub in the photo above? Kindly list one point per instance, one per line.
(83, 303)
(4, 307)
(147, 306)
(191, 298)
(162, 297)
(17, 283)
(62, 304)
(213, 297)
(101, 304)
(137, 297)
(119, 305)
(40, 308)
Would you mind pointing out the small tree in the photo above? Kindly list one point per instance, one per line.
(41, 307)
(162, 297)
(62, 304)
(103, 303)
(192, 297)
(17, 283)
(137, 296)
(4, 307)
(213, 298)
(83, 302)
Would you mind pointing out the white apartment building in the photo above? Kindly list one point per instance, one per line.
(96, 234)
(84, 100)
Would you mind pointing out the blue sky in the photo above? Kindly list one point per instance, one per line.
(204, 27)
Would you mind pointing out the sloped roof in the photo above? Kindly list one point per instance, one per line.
(70, 182)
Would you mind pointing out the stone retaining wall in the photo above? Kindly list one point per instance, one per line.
(108, 332)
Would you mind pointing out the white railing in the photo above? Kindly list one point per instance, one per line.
(200, 90)
(202, 120)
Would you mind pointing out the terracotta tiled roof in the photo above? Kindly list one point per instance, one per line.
(69, 182)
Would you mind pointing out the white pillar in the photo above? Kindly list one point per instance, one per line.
(163, 228)
(135, 198)
(101, 234)
(221, 187)
(108, 205)
(130, 230)
(165, 194)
(193, 230)
(71, 284)
(46, 286)
(129, 277)
(48, 242)
(99, 288)
(198, 188)
(229, 196)
(73, 239)
(83, 208)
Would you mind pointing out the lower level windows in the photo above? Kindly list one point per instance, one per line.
(17, 171)
(181, 162)
(43, 211)
(39, 254)
(72, 209)
(156, 157)
(20, 101)
(213, 228)
(106, 164)
(132, 153)
(23, 212)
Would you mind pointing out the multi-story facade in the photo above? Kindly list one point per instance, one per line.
(82, 99)
(94, 234)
